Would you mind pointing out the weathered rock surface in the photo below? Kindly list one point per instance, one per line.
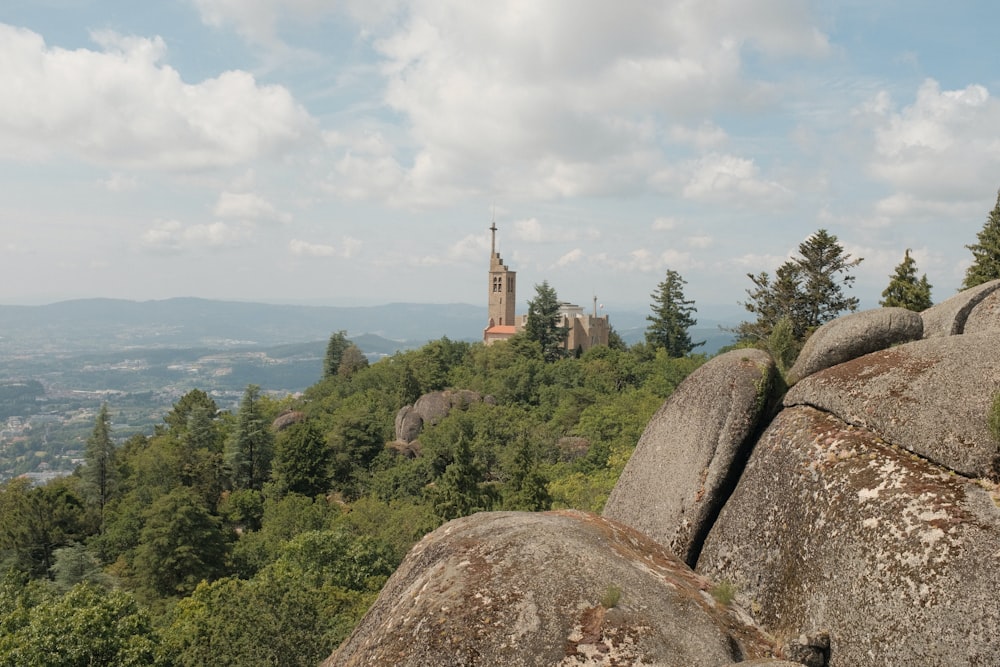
(431, 408)
(690, 454)
(854, 335)
(931, 397)
(513, 589)
(948, 318)
(831, 528)
(985, 315)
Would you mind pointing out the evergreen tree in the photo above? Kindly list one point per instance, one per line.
(544, 323)
(302, 460)
(457, 492)
(100, 472)
(334, 351)
(252, 445)
(671, 317)
(986, 252)
(180, 545)
(904, 290)
(808, 289)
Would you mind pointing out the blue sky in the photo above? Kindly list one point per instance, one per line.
(355, 152)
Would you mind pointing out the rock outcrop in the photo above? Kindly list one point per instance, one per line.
(948, 318)
(931, 397)
(854, 335)
(690, 455)
(557, 588)
(430, 409)
(833, 528)
(859, 528)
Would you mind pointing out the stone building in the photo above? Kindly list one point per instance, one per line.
(583, 331)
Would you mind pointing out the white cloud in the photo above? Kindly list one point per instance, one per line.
(562, 99)
(172, 236)
(574, 256)
(665, 224)
(348, 248)
(646, 261)
(730, 178)
(119, 182)
(122, 106)
(943, 146)
(700, 242)
(532, 231)
(247, 206)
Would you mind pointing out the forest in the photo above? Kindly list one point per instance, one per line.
(260, 536)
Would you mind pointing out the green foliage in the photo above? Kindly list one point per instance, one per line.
(993, 420)
(782, 344)
(252, 445)
(808, 290)
(180, 545)
(86, 626)
(985, 252)
(334, 351)
(100, 472)
(302, 460)
(724, 592)
(458, 492)
(611, 597)
(34, 522)
(543, 324)
(671, 317)
(905, 290)
(76, 564)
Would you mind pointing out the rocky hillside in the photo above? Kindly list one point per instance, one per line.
(851, 521)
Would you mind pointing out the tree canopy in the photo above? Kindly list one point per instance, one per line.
(544, 323)
(905, 290)
(671, 317)
(985, 252)
(808, 290)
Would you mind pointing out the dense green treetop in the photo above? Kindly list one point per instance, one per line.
(905, 290)
(543, 323)
(986, 251)
(671, 318)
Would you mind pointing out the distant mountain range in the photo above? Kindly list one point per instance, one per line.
(101, 325)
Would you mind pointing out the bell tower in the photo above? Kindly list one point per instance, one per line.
(503, 294)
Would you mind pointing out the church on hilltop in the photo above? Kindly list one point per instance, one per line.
(584, 331)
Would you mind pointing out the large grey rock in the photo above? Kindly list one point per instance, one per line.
(832, 528)
(985, 315)
(948, 318)
(690, 454)
(854, 335)
(431, 408)
(514, 589)
(408, 424)
(931, 397)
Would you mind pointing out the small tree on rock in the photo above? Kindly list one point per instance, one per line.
(986, 252)
(904, 290)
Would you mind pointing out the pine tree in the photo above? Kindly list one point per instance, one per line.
(100, 473)
(544, 323)
(334, 351)
(808, 289)
(252, 445)
(986, 253)
(671, 317)
(904, 290)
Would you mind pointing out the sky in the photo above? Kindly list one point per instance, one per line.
(355, 152)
